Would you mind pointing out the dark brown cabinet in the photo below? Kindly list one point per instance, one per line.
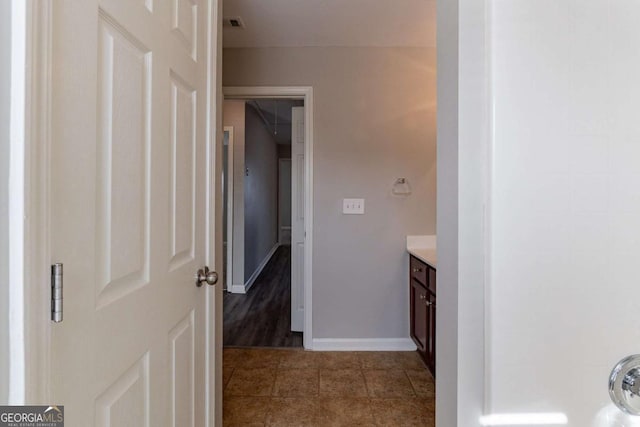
(422, 293)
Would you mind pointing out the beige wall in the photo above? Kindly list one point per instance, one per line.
(374, 122)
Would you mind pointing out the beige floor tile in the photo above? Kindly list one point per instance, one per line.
(299, 359)
(226, 375)
(251, 382)
(340, 411)
(245, 410)
(404, 412)
(290, 411)
(299, 388)
(388, 383)
(390, 360)
(296, 383)
(422, 382)
(339, 360)
(342, 382)
(233, 357)
(262, 358)
(244, 424)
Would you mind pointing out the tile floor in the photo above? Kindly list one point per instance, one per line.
(268, 387)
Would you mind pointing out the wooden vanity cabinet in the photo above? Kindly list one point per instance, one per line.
(422, 293)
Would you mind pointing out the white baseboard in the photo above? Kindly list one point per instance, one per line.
(363, 344)
(260, 267)
(238, 289)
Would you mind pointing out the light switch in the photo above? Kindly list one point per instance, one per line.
(353, 206)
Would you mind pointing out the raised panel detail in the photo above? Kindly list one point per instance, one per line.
(300, 187)
(299, 275)
(123, 156)
(300, 133)
(182, 340)
(126, 402)
(185, 24)
(183, 173)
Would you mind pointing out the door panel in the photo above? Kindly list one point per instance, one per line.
(297, 218)
(183, 171)
(122, 162)
(129, 182)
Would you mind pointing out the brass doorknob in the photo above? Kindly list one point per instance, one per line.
(205, 276)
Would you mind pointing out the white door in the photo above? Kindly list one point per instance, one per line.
(128, 193)
(297, 219)
(284, 201)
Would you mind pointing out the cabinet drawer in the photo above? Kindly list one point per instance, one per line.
(418, 270)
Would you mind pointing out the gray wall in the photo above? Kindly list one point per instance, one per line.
(374, 121)
(234, 116)
(260, 192)
(5, 75)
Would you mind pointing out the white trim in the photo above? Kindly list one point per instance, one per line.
(364, 344)
(238, 289)
(305, 93)
(37, 143)
(260, 267)
(214, 126)
(228, 280)
(18, 191)
(488, 203)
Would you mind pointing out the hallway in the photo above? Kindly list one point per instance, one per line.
(262, 316)
(286, 387)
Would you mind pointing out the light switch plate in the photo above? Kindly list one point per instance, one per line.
(353, 206)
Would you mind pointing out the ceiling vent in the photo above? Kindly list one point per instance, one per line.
(234, 22)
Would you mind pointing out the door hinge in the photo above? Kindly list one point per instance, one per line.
(56, 292)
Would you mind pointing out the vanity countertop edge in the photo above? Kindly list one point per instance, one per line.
(424, 248)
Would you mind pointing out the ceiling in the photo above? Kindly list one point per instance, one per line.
(344, 23)
(267, 109)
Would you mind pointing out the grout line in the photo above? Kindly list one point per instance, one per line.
(415, 393)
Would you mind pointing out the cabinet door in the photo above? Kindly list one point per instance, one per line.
(419, 331)
(430, 349)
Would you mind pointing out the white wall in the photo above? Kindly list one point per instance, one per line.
(233, 115)
(260, 192)
(565, 201)
(5, 77)
(374, 121)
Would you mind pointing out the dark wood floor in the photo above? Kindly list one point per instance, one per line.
(262, 317)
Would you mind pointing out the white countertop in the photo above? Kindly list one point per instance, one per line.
(423, 248)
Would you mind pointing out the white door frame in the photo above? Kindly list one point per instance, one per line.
(228, 280)
(305, 93)
(35, 25)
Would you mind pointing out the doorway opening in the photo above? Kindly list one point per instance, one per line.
(266, 220)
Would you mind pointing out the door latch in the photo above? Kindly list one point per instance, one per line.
(56, 292)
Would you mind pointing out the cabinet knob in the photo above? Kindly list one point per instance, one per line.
(417, 270)
(423, 296)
